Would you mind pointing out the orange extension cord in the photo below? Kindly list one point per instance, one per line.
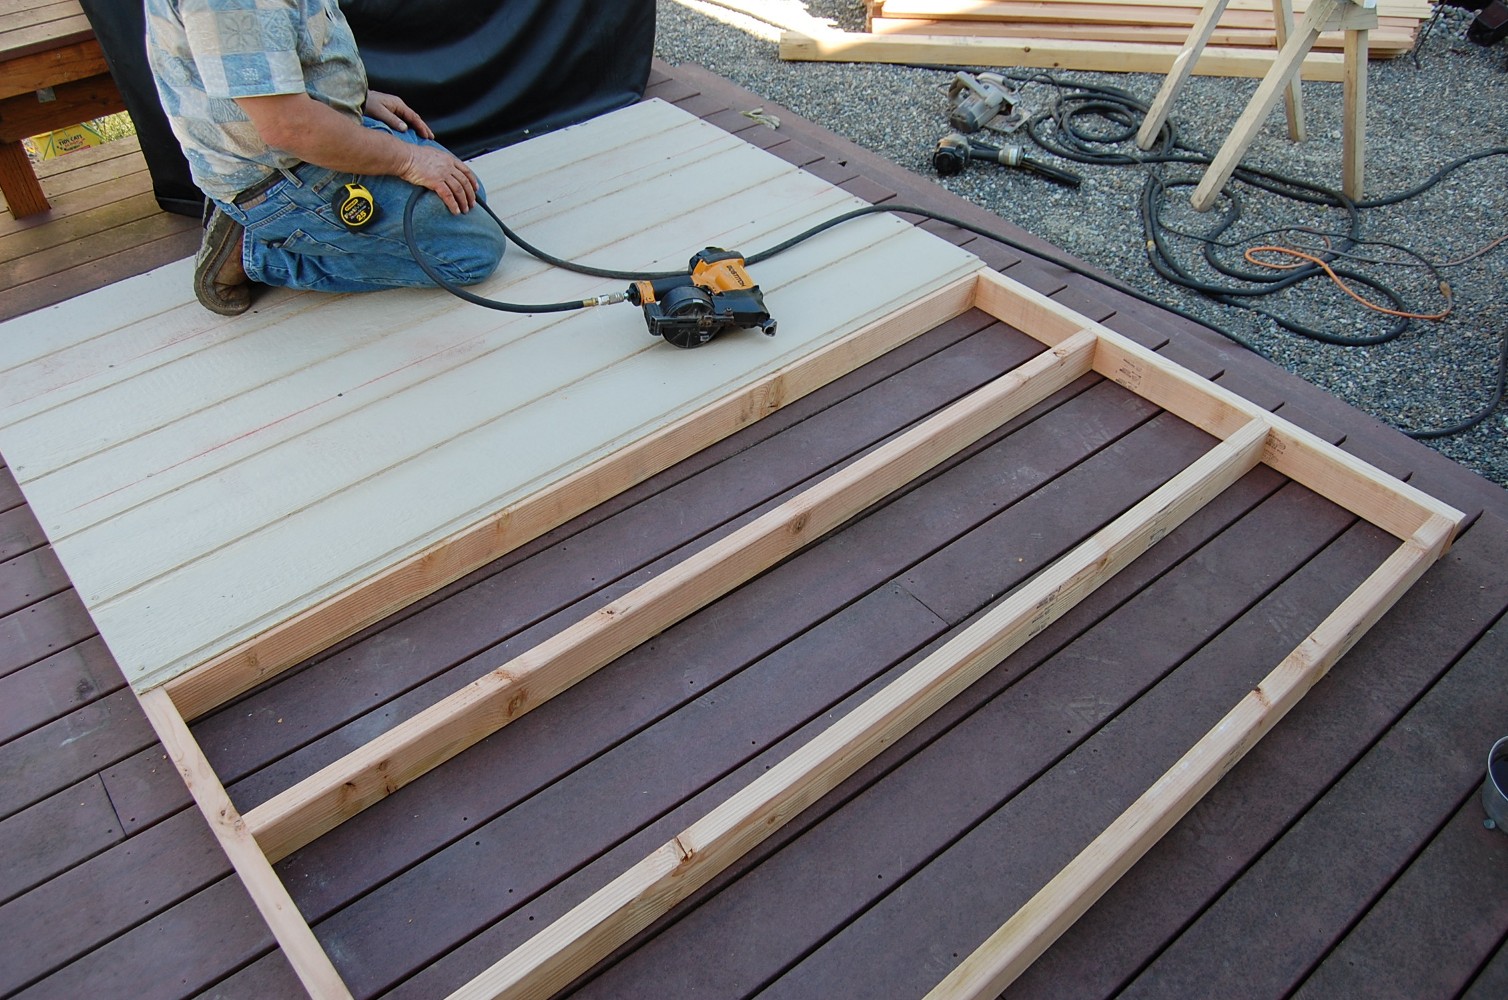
(1251, 257)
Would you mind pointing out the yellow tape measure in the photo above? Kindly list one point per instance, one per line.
(354, 204)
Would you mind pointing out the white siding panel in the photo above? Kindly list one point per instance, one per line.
(205, 479)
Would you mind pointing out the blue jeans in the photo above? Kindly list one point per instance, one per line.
(294, 239)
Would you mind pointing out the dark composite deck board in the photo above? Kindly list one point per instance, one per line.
(815, 590)
(26, 580)
(1204, 525)
(270, 976)
(1426, 935)
(56, 685)
(151, 962)
(1038, 516)
(145, 875)
(19, 532)
(145, 788)
(912, 937)
(67, 750)
(1491, 981)
(1388, 806)
(569, 824)
(1159, 455)
(131, 897)
(1289, 771)
(55, 835)
(836, 174)
(982, 760)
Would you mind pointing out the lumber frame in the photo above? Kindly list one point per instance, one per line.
(1246, 436)
(303, 951)
(374, 771)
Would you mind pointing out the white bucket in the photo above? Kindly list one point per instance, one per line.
(1495, 788)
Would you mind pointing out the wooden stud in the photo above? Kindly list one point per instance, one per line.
(1282, 19)
(1110, 57)
(989, 10)
(1354, 116)
(1032, 929)
(571, 945)
(1400, 29)
(367, 775)
(1385, 43)
(267, 891)
(1178, 74)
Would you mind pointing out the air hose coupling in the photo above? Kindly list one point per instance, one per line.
(612, 298)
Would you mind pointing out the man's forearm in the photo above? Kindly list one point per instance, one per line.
(316, 133)
(299, 125)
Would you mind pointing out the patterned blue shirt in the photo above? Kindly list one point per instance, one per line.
(206, 53)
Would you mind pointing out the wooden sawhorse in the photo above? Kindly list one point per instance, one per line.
(1355, 17)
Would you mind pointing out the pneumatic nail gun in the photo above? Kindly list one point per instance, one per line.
(715, 294)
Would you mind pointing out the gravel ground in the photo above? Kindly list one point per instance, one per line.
(1454, 102)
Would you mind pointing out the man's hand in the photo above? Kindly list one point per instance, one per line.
(395, 114)
(435, 169)
(444, 174)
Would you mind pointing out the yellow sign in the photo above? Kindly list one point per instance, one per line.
(50, 145)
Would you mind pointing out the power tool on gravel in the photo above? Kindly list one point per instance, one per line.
(954, 151)
(715, 294)
(978, 100)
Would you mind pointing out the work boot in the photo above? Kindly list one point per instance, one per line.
(220, 282)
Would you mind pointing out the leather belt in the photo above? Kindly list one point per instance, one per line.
(253, 196)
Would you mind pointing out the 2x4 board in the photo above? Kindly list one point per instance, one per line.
(322, 461)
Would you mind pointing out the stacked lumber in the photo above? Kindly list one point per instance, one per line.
(1246, 24)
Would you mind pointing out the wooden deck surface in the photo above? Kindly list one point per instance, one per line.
(1345, 856)
(104, 225)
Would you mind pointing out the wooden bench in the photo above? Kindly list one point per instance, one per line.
(52, 74)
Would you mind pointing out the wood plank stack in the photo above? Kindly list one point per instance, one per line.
(1246, 24)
